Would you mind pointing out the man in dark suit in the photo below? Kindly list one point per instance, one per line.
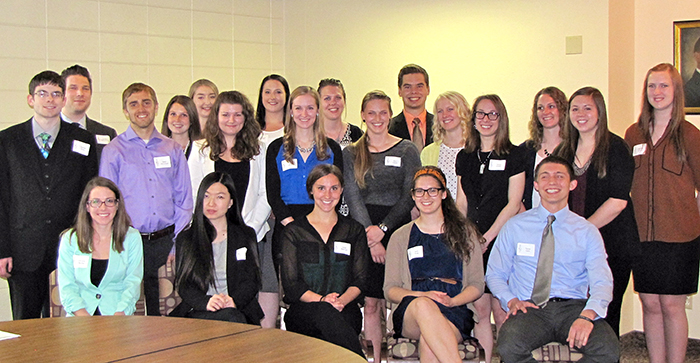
(415, 120)
(45, 164)
(692, 86)
(78, 98)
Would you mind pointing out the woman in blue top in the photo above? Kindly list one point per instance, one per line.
(100, 259)
(291, 158)
(432, 272)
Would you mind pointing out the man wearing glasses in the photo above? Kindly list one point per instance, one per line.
(45, 164)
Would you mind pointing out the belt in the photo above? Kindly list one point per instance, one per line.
(158, 234)
(447, 280)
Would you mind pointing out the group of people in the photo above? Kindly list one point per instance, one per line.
(438, 214)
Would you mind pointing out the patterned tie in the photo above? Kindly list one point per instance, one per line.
(45, 141)
(417, 134)
(545, 264)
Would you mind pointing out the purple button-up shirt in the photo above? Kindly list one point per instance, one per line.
(153, 178)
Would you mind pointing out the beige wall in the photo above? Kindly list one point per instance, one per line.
(165, 43)
(509, 47)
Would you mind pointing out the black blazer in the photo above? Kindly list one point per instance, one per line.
(97, 128)
(399, 128)
(242, 276)
(40, 196)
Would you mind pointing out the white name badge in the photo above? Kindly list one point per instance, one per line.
(497, 165)
(342, 248)
(162, 162)
(240, 253)
(80, 261)
(81, 148)
(415, 252)
(286, 165)
(639, 149)
(526, 249)
(392, 161)
(103, 139)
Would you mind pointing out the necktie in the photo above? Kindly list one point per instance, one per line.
(45, 147)
(417, 134)
(545, 264)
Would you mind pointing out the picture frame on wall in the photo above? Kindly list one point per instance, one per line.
(686, 49)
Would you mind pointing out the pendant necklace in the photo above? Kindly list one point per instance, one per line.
(483, 163)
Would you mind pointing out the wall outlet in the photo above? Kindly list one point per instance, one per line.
(689, 302)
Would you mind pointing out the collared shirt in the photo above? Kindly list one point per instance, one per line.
(580, 262)
(409, 122)
(293, 175)
(153, 178)
(82, 122)
(38, 130)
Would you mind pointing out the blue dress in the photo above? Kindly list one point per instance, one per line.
(437, 261)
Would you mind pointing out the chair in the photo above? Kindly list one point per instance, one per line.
(405, 350)
(556, 352)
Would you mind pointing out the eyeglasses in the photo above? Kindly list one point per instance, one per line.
(433, 192)
(45, 94)
(96, 203)
(493, 115)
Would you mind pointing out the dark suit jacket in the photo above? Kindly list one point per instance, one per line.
(692, 91)
(399, 128)
(97, 128)
(242, 276)
(40, 196)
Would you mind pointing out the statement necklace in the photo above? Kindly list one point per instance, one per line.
(308, 149)
(483, 163)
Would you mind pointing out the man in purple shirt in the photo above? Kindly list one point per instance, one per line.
(151, 172)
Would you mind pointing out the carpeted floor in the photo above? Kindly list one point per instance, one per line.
(633, 349)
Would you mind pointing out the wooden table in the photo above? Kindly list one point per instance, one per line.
(151, 338)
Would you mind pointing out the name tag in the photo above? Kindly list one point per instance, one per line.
(162, 162)
(80, 261)
(286, 165)
(240, 253)
(526, 249)
(342, 248)
(81, 148)
(497, 165)
(103, 139)
(392, 161)
(639, 149)
(415, 252)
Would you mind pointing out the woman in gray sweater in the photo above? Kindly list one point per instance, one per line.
(378, 170)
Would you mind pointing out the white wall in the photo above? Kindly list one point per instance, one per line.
(512, 48)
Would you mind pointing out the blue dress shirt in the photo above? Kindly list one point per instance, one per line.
(580, 261)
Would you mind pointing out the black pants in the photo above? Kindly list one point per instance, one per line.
(232, 315)
(523, 332)
(321, 320)
(29, 291)
(155, 254)
(621, 268)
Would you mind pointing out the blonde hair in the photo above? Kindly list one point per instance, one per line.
(290, 127)
(463, 112)
(363, 157)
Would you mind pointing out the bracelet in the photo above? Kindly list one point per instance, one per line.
(586, 319)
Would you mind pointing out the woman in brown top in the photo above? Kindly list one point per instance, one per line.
(666, 151)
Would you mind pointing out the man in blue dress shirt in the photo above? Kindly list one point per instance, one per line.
(581, 281)
(151, 172)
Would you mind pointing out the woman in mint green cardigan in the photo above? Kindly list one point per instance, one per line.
(100, 259)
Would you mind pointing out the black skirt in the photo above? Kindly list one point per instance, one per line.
(667, 268)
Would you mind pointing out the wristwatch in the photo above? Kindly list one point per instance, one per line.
(383, 227)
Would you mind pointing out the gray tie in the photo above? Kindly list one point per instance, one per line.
(417, 134)
(545, 264)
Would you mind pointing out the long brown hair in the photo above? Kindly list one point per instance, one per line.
(646, 117)
(290, 127)
(459, 233)
(246, 144)
(193, 132)
(502, 144)
(569, 142)
(535, 127)
(363, 157)
(82, 227)
(461, 105)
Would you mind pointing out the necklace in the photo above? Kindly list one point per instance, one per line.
(547, 152)
(578, 171)
(308, 149)
(483, 163)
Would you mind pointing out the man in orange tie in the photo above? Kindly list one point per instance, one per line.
(415, 122)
